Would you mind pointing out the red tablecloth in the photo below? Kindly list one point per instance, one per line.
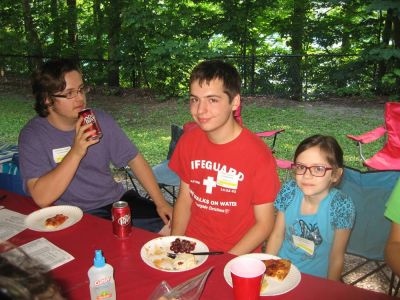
(134, 279)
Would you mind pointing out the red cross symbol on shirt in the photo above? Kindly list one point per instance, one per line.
(210, 183)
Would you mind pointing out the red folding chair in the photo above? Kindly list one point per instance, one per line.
(281, 163)
(388, 158)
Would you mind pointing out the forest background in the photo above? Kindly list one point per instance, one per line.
(298, 49)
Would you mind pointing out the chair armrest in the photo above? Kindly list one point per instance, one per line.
(269, 133)
(283, 164)
(369, 136)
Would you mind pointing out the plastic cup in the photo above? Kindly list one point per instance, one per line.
(246, 275)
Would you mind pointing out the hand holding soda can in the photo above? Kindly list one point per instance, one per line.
(90, 118)
(121, 219)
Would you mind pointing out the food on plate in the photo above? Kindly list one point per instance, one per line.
(183, 261)
(163, 263)
(182, 246)
(157, 254)
(277, 268)
(264, 283)
(55, 221)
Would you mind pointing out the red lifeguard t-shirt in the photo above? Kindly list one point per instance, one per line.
(225, 182)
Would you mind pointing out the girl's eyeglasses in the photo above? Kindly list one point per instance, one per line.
(317, 171)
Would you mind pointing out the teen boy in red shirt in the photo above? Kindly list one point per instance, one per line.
(228, 174)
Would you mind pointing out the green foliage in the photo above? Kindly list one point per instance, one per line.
(384, 4)
(160, 41)
(383, 54)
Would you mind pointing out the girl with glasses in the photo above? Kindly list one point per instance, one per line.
(314, 219)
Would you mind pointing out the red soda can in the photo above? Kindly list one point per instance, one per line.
(121, 219)
(90, 118)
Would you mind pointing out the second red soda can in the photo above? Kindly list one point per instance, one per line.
(121, 219)
(90, 118)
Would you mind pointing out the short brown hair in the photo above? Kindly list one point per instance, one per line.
(213, 69)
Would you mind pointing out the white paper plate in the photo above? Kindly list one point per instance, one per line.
(157, 249)
(36, 220)
(275, 287)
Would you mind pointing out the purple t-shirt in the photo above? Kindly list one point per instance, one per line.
(93, 186)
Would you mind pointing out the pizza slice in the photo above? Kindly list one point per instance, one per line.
(55, 221)
(277, 268)
(264, 283)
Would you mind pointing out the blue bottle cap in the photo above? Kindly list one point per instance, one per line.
(99, 260)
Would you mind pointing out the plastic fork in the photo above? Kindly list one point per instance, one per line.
(173, 255)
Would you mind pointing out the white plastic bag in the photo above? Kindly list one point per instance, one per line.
(160, 291)
(188, 290)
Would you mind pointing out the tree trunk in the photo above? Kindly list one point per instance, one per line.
(35, 52)
(396, 39)
(387, 30)
(72, 27)
(244, 38)
(349, 12)
(298, 20)
(253, 69)
(56, 28)
(98, 20)
(113, 42)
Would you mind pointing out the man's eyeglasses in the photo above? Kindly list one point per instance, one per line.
(73, 93)
(317, 171)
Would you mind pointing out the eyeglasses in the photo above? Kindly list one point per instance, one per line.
(317, 171)
(74, 93)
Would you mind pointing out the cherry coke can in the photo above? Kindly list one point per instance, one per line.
(121, 219)
(90, 118)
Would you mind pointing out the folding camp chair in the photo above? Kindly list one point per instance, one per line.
(281, 163)
(388, 158)
(167, 180)
(10, 178)
(369, 191)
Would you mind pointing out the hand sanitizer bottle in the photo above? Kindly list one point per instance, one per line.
(101, 279)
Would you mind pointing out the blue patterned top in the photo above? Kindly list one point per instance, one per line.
(309, 238)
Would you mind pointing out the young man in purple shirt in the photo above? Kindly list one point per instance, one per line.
(60, 165)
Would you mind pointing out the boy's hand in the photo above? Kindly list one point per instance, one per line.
(164, 210)
(82, 140)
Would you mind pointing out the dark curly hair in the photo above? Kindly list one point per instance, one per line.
(23, 278)
(48, 80)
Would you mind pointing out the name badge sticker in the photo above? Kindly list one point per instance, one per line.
(227, 180)
(60, 153)
(304, 244)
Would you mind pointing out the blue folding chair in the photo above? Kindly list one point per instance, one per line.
(10, 177)
(370, 191)
(167, 180)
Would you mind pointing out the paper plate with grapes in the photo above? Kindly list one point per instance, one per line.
(155, 253)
